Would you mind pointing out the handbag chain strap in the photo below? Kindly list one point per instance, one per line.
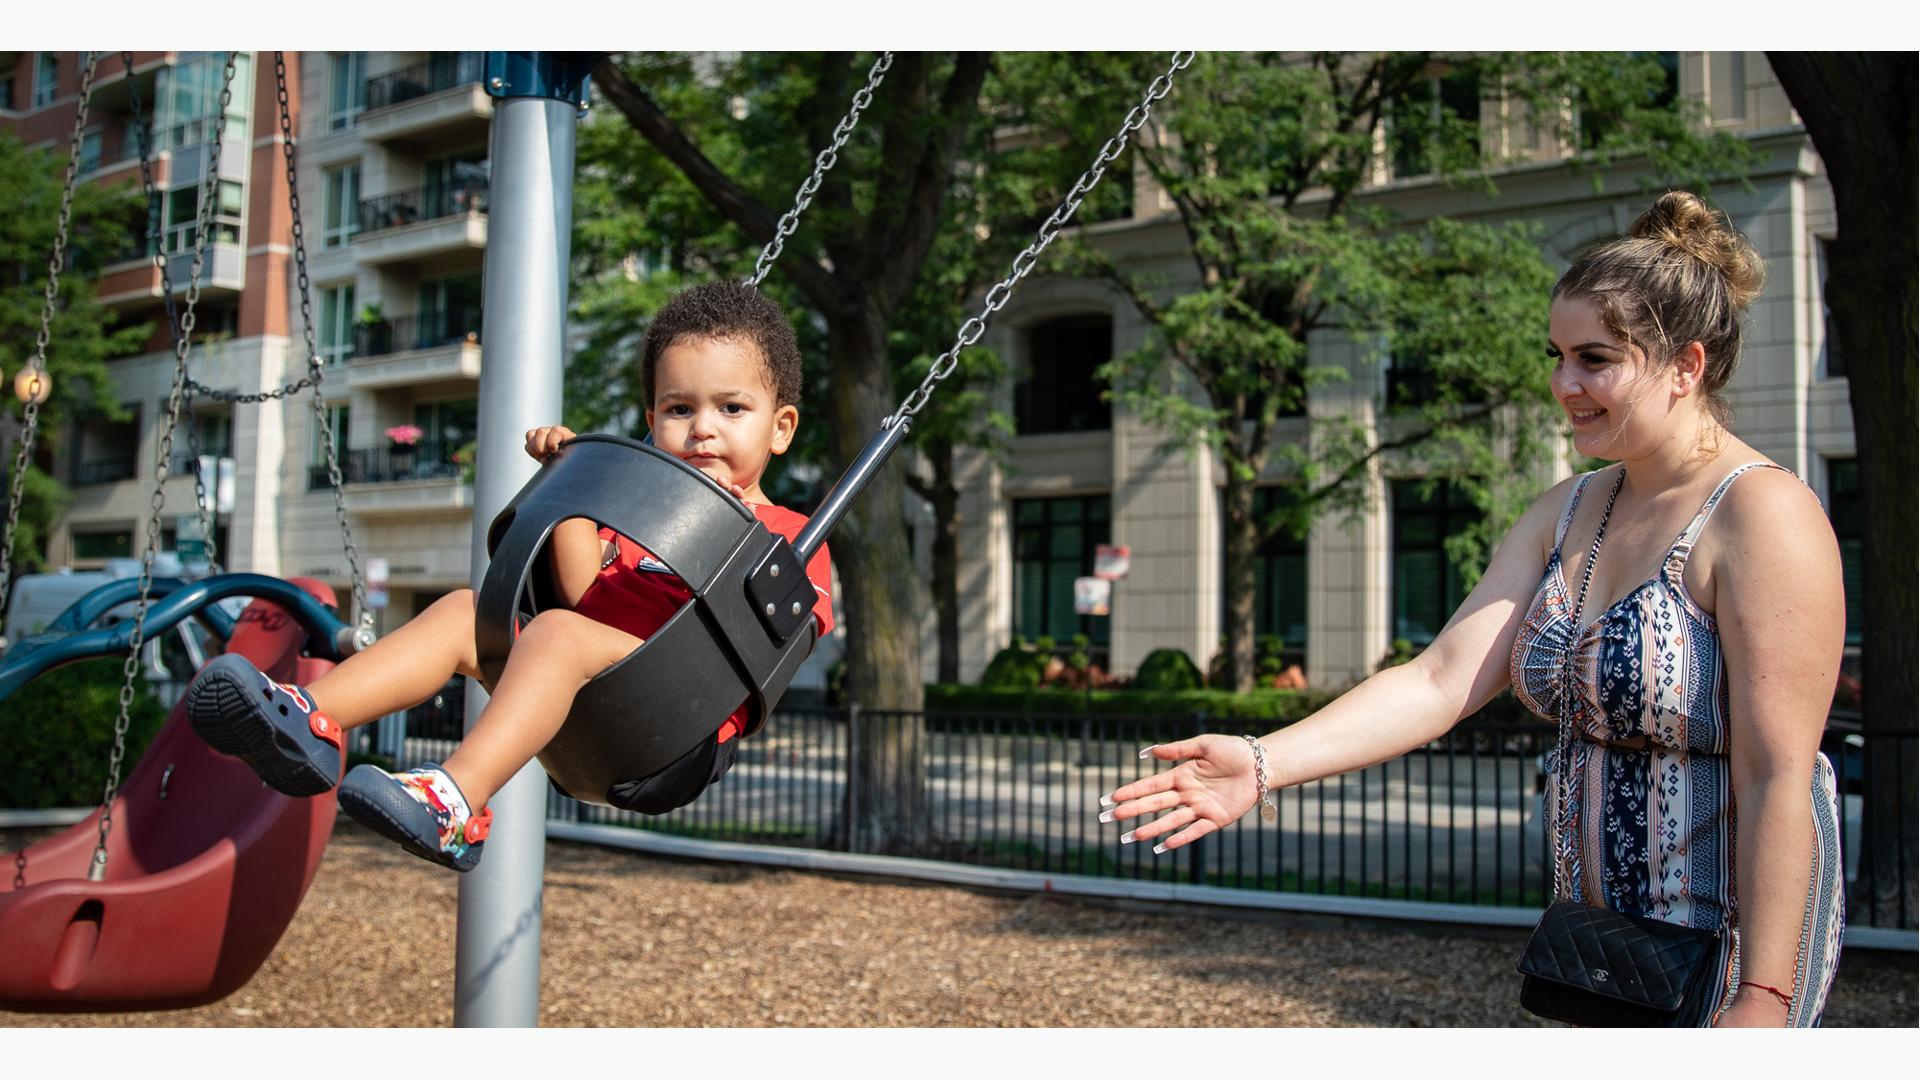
(1562, 754)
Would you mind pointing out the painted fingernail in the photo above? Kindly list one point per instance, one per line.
(1159, 849)
(1126, 837)
(1107, 800)
(1106, 816)
(1148, 752)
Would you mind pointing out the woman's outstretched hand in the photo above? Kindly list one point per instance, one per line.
(1211, 788)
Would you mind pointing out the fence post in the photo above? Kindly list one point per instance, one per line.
(853, 776)
(1196, 869)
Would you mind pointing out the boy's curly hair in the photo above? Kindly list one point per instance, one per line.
(726, 310)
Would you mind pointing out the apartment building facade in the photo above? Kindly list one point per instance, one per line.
(243, 310)
(1086, 472)
(393, 190)
(393, 171)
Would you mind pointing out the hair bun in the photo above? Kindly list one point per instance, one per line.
(1684, 220)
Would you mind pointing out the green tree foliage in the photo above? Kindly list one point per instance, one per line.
(1266, 160)
(105, 223)
(742, 130)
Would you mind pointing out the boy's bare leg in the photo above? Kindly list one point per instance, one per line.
(555, 655)
(405, 668)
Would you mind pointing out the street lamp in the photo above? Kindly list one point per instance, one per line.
(32, 386)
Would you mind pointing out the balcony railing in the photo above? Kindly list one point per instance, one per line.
(392, 464)
(184, 462)
(400, 208)
(104, 472)
(427, 330)
(443, 72)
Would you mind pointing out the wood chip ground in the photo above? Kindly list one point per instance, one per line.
(639, 941)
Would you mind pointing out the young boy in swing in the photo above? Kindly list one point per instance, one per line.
(721, 374)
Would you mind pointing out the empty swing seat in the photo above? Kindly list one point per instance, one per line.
(207, 866)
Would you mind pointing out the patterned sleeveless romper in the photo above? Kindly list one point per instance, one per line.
(1651, 789)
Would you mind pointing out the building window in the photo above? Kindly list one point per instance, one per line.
(46, 79)
(1060, 391)
(1843, 507)
(6, 94)
(183, 212)
(336, 324)
(1832, 360)
(99, 545)
(446, 426)
(106, 451)
(456, 184)
(1420, 115)
(338, 418)
(1053, 542)
(347, 95)
(1427, 587)
(340, 215)
(187, 101)
(1280, 577)
(91, 146)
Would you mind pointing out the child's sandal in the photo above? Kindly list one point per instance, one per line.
(405, 808)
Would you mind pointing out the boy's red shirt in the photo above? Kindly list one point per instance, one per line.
(638, 594)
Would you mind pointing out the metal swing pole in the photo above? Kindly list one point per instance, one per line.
(537, 99)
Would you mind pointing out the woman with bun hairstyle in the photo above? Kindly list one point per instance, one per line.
(1681, 611)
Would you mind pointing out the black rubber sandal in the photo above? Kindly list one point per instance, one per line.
(275, 729)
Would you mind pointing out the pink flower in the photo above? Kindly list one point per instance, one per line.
(405, 434)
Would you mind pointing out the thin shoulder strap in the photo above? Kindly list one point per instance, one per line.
(1682, 548)
(1566, 516)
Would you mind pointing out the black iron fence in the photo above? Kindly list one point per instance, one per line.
(444, 72)
(391, 211)
(1458, 821)
(391, 464)
(105, 471)
(426, 330)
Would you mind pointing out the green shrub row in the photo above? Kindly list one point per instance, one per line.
(1277, 707)
(56, 735)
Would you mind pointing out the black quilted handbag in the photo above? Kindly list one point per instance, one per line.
(1599, 968)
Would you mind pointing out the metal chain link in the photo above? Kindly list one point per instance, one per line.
(363, 612)
(36, 367)
(1563, 751)
(1024, 262)
(821, 163)
(203, 225)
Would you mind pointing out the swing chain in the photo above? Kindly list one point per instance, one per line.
(1024, 262)
(37, 366)
(203, 224)
(363, 632)
(821, 163)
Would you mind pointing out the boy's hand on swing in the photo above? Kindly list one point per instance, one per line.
(544, 442)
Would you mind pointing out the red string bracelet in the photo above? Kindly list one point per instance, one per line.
(1785, 999)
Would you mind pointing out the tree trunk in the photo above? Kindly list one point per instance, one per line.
(1242, 542)
(1859, 109)
(884, 596)
(946, 557)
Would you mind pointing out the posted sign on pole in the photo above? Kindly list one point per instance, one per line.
(1092, 596)
(1111, 561)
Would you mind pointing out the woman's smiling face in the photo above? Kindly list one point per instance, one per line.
(1598, 379)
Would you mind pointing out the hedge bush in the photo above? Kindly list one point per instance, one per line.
(1168, 669)
(1014, 668)
(1277, 707)
(57, 735)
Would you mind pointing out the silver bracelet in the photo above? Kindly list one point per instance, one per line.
(1269, 808)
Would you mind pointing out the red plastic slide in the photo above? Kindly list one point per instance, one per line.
(206, 868)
